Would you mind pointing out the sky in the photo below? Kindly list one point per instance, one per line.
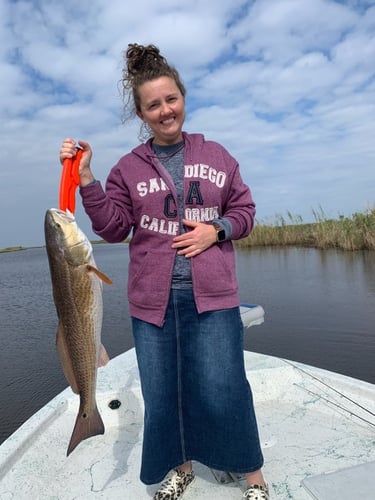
(287, 86)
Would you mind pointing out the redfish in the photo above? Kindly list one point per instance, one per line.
(77, 292)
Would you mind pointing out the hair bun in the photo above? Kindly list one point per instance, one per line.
(141, 58)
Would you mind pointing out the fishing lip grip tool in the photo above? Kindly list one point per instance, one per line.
(69, 182)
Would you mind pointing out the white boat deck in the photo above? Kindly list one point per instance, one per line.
(307, 440)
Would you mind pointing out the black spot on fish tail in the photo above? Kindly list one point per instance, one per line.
(87, 425)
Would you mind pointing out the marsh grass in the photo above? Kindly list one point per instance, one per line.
(347, 233)
(11, 249)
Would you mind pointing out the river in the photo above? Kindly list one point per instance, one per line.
(319, 309)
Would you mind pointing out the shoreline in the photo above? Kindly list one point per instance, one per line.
(345, 233)
(21, 248)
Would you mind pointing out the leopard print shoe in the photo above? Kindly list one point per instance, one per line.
(256, 492)
(175, 486)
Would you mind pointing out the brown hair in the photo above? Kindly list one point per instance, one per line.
(142, 64)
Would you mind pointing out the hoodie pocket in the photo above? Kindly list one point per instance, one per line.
(149, 280)
(214, 271)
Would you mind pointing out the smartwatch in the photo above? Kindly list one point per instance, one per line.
(220, 233)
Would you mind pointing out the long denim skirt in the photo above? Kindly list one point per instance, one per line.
(198, 402)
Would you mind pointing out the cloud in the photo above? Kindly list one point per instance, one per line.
(288, 86)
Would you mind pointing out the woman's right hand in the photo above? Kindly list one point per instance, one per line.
(68, 150)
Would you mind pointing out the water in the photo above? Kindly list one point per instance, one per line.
(320, 309)
(320, 306)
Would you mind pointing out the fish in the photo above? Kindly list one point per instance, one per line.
(77, 293)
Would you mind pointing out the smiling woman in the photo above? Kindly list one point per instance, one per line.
(185, 200)
(153, 89)
(162, 109)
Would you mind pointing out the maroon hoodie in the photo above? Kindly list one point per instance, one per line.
(140, 196)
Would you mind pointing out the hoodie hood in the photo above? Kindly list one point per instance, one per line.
(193, 146)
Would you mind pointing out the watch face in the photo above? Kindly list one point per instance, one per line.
(221, 235)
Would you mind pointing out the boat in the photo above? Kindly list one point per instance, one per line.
(317, 431)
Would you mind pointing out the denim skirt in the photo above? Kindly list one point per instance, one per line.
(198, 402)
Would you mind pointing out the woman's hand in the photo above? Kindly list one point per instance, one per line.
(196, 241)
(68, 150)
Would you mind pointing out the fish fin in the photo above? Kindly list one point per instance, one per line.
(65, 359)
(87, 425)
(100, 275)
(103, 356)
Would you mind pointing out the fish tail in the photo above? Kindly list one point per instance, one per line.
(87, 425)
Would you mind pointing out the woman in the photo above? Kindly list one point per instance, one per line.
(184, 200)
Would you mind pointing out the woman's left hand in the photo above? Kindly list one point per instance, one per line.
(196, 241)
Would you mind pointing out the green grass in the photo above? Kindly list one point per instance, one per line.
(347, 233)
(11, 249)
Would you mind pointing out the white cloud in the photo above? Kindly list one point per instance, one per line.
(288, 86)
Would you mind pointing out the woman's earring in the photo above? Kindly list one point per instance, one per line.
(145, 132)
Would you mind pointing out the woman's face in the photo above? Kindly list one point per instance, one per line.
(163, 109)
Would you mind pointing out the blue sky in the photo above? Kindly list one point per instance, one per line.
(287, 86)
